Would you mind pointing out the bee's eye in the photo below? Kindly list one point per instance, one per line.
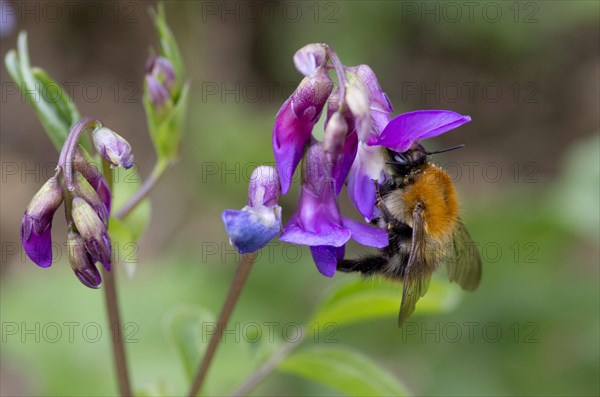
(399, 158)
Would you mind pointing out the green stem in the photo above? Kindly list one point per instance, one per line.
(147, 186)
(268, 367)
(114, 317)
(235, 289)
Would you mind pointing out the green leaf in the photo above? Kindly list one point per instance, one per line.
(166, 131)
(184, 327)
(344, 370)
(361, 300)
(125, 184)
(53, 106)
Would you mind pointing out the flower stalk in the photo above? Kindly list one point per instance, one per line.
(239, 280)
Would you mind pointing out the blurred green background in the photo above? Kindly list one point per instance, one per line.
(527, 73)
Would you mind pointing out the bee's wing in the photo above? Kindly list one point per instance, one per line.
(416, 281)
(464, 262)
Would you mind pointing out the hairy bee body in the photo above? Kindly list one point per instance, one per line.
(419, 208)
(432, 188)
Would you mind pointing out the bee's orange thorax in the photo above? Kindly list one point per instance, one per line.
(435, 190)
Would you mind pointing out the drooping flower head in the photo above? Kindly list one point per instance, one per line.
(82, 187)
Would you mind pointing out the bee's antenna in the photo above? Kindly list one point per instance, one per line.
(446, 150)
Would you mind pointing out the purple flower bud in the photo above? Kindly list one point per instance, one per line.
(94, 177)
(84, 190)
(335, 136)
(379, 107)
(358, 102)
(310, 57)
(295, 121)
(162, 72)
(113, 147)
(82, 262)
(252, 227)
(263, 189)
(159, 96)
(93, 231)
(37, 223)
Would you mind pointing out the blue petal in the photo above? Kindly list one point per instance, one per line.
(246, 231)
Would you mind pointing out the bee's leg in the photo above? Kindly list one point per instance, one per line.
(385, 213)
(367, 265)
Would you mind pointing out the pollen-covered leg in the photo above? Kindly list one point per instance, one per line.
(367, 265)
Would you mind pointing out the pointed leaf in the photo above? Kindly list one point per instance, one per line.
(361, 300)
(344, 370)
(53, 106)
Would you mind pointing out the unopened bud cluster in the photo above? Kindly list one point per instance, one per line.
(86, 195)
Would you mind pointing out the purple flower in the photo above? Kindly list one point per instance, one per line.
(295, 121)
(94, 177)
(93, 230)
(252, 227)
(318, 222)
(36, 228)
(310, 57)
(84, 190)
(113, 147)
(161, 70)
(81, 261)
(368, 166)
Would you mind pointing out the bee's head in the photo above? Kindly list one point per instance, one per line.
(416, 156)
(403, 163)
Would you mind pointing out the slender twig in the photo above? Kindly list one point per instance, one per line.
(114, 316)
(143, 191)
(268, 367)
(232, 296)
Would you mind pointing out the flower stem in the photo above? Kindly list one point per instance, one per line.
(114, 317)
(144, 190)
(268, 367)
(232, 296)
(65, 160)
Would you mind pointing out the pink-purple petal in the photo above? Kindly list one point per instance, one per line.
(367, 235)
(406, 128)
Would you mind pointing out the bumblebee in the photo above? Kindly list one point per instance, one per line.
(418, 206)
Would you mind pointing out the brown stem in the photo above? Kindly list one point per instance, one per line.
(232, 296)
(114, 317)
